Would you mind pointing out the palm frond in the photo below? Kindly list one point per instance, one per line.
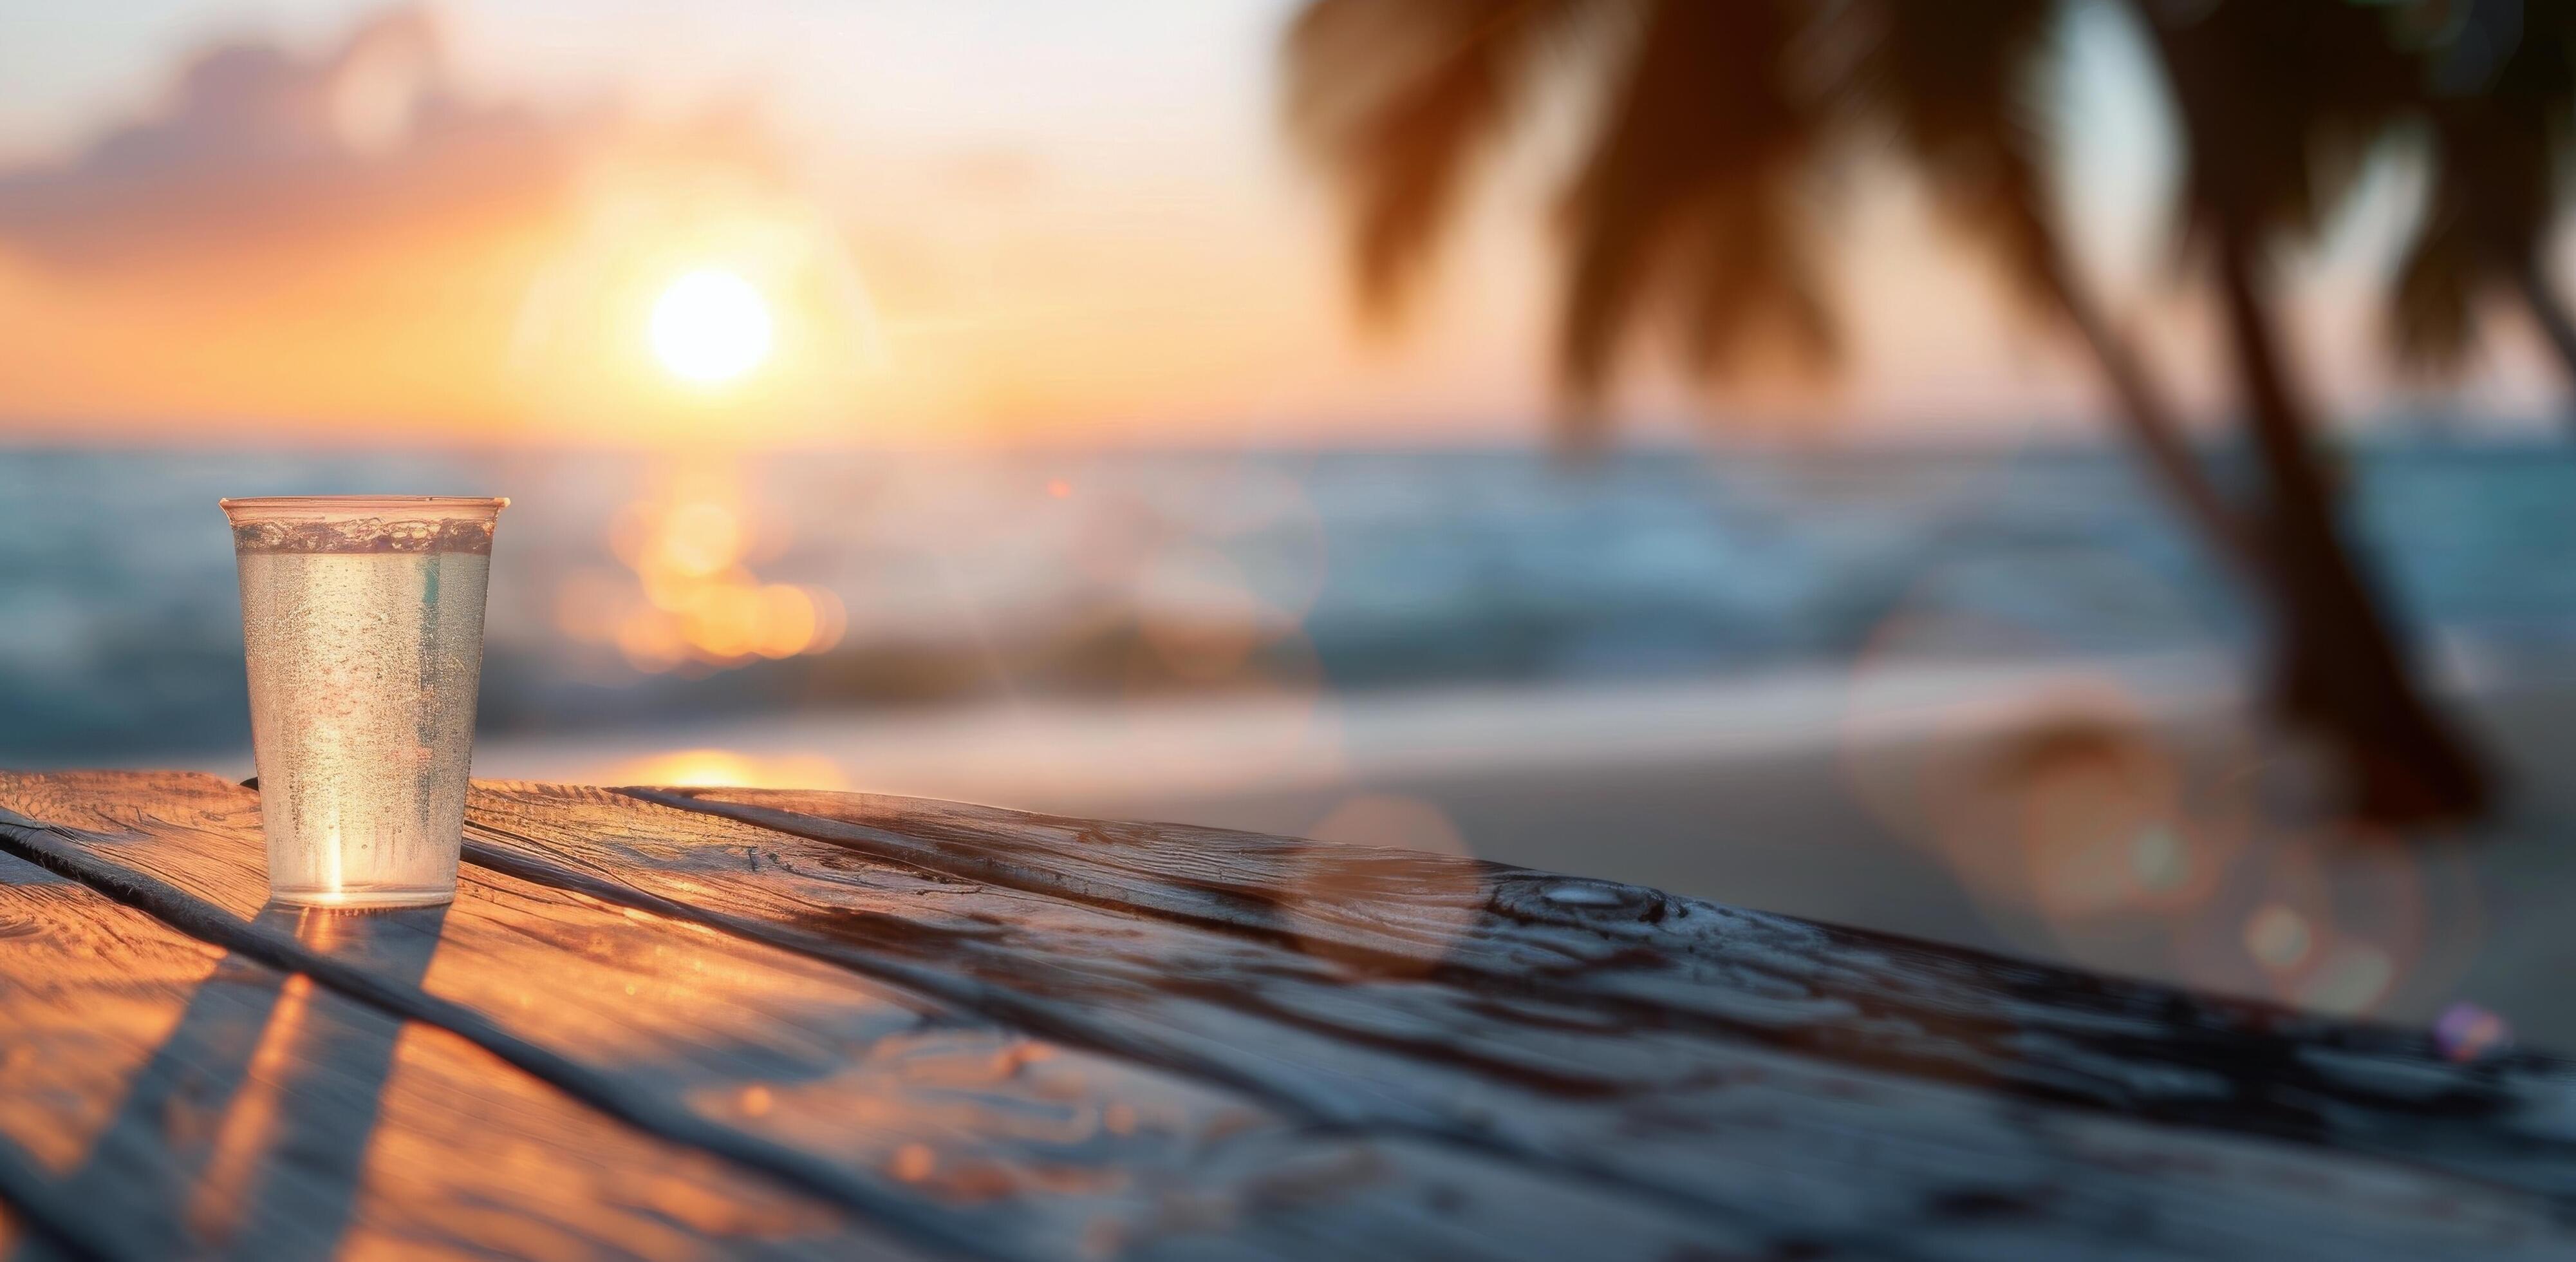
(2282, 101)
(1397, 99)
(1689, 195)
(1957, 83)
(2436, 279)
(2501, 101)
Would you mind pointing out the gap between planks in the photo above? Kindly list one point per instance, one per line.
(197, 918)
(642, 1110)
(2475, 1099)
(552, 869)
(999, 1005)
(23, 1189)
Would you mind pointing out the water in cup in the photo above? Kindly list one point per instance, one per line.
(363, 623)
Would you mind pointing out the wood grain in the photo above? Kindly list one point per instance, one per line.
(165, 1099)
(1012, 1036)
(1629, 954)
(1002, 1144)
(1645, 1100)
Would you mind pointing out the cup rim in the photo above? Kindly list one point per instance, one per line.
(363, 503)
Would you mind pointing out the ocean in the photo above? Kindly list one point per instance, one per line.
(633, 591)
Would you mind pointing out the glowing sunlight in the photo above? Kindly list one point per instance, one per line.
(710, 327)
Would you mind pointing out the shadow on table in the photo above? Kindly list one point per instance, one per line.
(246, 1133)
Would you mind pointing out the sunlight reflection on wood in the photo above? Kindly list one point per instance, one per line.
(215, 1074)
(79, 1035)
(250, 1125)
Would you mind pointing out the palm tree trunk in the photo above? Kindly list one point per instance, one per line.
(2150, 423)
(2549, 311)
(2341, 671)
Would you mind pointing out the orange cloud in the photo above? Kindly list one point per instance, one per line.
(349, 244)
(256, 157)
(325, 240)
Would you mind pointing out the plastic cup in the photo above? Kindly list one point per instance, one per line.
(362, 622)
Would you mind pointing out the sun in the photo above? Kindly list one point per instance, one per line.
(710, 326)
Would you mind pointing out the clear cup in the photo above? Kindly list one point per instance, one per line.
(362, 620)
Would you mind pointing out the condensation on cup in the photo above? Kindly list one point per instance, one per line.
(362, 619)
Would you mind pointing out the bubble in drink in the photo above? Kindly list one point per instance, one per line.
(363, 625)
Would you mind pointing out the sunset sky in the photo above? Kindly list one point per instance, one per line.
(316, 221)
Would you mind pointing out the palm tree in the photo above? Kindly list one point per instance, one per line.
(1957, 80)
(2500, 101)
(1691, 206)
(1398, 99)
(2280, 102)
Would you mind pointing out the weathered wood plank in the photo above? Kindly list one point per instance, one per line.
(1018, 1146)
(1469, 1118)
(170, 1100)
(2133, 1048)
(1821, 1153)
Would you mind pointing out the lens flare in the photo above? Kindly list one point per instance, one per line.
(710, 327)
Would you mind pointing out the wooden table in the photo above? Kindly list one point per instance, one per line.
(681, 1023)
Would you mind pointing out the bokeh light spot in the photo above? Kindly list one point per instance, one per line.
(1393, 821)
(2351, 979)
(2159, 858)
(2277, 937)
(701, 538)
(2466, 1032)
